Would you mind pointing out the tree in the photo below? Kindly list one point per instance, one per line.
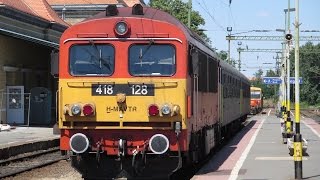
(269, 91)
(271, 73)
(310, 73)
(179, 9)
(257, 80)
(223, 55)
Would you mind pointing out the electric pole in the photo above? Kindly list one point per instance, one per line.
(229, 29)
(297, 140)
(257, 50)
(289, 123)
(239, 61)
(277, 58)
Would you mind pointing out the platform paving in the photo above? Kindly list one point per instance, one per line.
(257, 153)
(26, 139)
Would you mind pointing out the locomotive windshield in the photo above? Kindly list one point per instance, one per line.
(92, 59)
(152, 60)
(255, 94)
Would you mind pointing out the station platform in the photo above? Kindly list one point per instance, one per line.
(19, 140)
(258, 153)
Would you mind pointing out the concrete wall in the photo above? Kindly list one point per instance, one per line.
(73, 21)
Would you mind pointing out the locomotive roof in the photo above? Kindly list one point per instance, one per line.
(156, 14)
(255, 88)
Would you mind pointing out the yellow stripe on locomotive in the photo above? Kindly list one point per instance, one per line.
(116, 110)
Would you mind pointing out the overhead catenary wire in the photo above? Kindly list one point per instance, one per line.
(213, 19)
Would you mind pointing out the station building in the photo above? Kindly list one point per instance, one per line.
(29, 31)
(29, 36)
(77, 10)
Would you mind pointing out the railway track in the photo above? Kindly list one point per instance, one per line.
(27, 162)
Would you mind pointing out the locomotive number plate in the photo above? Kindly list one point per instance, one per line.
(128, 89)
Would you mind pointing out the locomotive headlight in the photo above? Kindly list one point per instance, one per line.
(165, 109)
(76, 109)
(121, 28)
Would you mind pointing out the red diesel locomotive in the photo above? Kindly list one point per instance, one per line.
(140, 94)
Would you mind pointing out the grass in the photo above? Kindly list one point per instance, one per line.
(303, 105)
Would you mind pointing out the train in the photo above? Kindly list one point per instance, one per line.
(256, 101)
(142, 95)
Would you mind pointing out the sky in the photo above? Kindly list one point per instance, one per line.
(254, 15)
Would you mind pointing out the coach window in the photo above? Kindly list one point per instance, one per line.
(255, 95)
(203, 74)
(91, 59)
(152, 60)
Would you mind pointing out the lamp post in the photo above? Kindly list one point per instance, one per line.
(288, 36)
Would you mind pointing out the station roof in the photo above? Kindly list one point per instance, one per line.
(37, 8)
(31, 20)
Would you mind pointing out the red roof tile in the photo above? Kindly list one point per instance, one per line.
(129, 3)
(44, 10)
(17, 4)
(38, 8)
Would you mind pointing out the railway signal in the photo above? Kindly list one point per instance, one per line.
(288, 37)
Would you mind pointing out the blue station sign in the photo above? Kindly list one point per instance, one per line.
(277, 80)
(271, 80)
